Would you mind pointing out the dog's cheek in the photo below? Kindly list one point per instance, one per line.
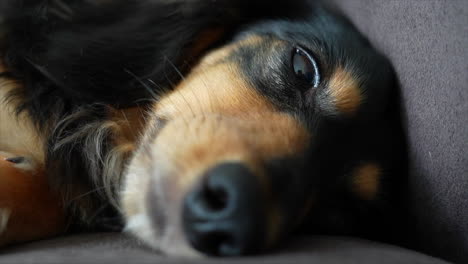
(365, 182)
(151, 204)
(135, 187)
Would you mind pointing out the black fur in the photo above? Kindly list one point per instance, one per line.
(341, 142)
(90, 52)
(86, 57)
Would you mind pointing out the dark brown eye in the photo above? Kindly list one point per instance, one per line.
(305, 67)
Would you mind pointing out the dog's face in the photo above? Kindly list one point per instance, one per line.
(289, 123)
(284, 121)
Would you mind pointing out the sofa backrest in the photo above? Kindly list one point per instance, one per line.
(427, 41)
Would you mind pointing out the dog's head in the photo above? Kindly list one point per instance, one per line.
(271, 124)
(287, 120)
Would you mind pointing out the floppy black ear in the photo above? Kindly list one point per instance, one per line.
(99, 51)
(115, 51)
(76, 57)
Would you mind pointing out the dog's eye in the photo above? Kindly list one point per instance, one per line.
(305, 67)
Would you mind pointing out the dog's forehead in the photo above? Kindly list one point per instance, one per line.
(332, 40)
(344, 56)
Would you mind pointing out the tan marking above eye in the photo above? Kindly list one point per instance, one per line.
(345, 91)
(222, 90)
(216, 115)
(213, 89)
(366, 181)
(219, 54)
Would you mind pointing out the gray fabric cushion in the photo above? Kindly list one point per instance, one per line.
(117, 248)
(427, 42)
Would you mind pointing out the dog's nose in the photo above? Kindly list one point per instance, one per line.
(223, 216)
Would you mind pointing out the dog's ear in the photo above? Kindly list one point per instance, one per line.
(99, 51)
(116, 51)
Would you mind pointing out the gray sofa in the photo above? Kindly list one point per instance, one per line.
(427, 41)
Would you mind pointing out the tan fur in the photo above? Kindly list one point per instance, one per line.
(26, 186)
(366, 181)
(17, 133)
(131, 123)
(220, 54)
(345, 91)
(214, 116)
(104, 169)
(225, 112)
(34, 211)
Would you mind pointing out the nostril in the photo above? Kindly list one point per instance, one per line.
(214, 197)
(208, 201)
(217, 195)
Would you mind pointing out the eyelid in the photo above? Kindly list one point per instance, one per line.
(314, 64)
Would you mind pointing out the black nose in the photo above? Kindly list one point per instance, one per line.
(223, 216)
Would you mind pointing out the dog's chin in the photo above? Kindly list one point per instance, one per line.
(169, 241)
(152, 207)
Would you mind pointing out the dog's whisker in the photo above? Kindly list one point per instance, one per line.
(161, 91)
(175, 68)
(42, 70)
(208, 89)
(64, 7)
(172, 84)
(96, 213)
(193, 92)
(127, 121)
(152, 93)
(210, 93)
(183, 78)
(166, 59)
(179, 110)
(97, 189)
(173, 103)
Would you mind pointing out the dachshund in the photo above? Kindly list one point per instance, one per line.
(212, 128)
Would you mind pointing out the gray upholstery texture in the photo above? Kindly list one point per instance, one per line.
(427, 42)
(117, 248)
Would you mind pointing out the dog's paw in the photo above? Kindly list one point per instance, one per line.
(29, 208)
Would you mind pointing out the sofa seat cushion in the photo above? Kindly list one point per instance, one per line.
(118, 248)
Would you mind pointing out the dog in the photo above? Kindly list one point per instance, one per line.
(201, 127)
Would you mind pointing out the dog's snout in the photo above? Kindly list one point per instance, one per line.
(223, 214)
